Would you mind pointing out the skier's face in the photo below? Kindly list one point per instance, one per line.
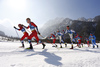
(67, 28)
(91, 34)
(19, 26)
(28, 21)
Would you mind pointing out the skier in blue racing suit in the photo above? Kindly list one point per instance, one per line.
(93, 38)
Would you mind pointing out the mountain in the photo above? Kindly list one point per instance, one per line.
(7, 28)
(54, 25)
(2, 33)
(97, 18)
(82, 26)
(84, 19)
(97, 32)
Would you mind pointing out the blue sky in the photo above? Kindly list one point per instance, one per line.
(40, 11)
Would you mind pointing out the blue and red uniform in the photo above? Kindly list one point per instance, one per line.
(32, 27)
(71, 34)
(54, 38)
(59, 34)
(92, 38)
(24, 32)
(21, 28)
(87, 40)
(78, 38)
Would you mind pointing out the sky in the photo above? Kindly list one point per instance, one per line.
(41, 11)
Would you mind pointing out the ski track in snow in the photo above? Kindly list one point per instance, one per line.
(13, 56)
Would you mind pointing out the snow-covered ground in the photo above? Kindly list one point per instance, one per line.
(13, 56)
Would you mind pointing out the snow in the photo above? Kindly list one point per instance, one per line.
(13, 56)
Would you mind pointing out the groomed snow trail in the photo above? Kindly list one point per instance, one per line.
(13, 56)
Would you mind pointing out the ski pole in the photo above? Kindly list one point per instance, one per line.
(17, 33)
(47, 40)
(41, 36)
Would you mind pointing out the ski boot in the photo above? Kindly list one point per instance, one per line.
(93, 46)
(31, 47)
(61, 46)
(88, 45)
(22, 46)
(97, 46)
(71, 47)
(65, 45)
(43, 45)
(79, 46)
(56, 45)
(82, 45)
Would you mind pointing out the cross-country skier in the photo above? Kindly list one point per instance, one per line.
(21, 28)
(87, 40)
(78, 38)
(63, 32)
(93, 38)
(34, 32)
(71, 34)
(54, 39)
(59, 34)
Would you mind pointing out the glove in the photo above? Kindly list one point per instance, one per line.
(15, 27)
(39, 33)
(22, 25)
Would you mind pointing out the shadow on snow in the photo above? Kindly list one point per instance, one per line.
(88, 50)
(51, 58)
